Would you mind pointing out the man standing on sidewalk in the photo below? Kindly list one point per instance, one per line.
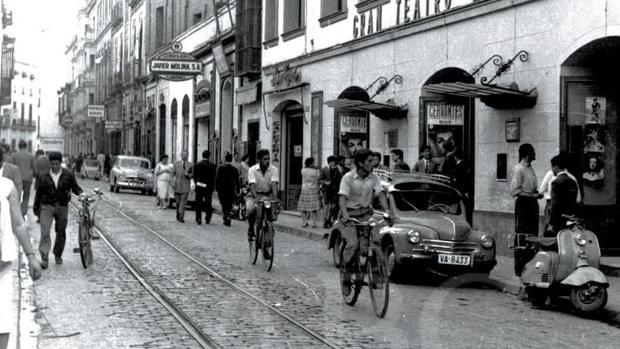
(204, 178)
(50, 204)
(565, 195)
(227, 186)
(25, 161)
(182, 173)
(524, 188)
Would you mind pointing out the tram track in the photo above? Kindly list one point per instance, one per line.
(193, 328)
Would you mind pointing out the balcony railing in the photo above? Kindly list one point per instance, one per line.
(23, 125)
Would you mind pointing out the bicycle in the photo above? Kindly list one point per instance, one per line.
(369, 263)
(238, 210)
(86, 224)
(269, 211)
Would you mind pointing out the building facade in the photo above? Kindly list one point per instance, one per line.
(486, 76)
(20, 118)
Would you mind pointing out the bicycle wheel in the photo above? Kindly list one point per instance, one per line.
(254, 245)
(84, 243)
(267, 246)
(378, 282)
(355, 286)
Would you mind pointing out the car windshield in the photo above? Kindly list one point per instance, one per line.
(426, 197)
(135, 163)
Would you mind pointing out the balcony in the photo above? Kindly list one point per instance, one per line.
(6, 121)
(22, 125)
(117, 15)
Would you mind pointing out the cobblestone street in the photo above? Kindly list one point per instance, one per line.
(103, 306)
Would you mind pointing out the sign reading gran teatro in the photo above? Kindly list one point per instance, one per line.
(370, 18)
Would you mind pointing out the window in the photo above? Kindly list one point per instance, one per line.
(332, 11)
(293, 18)
(91, 63)
(91, 98)
(196, 18)
(22, 112)
(14, 105)
(30, 113)
(30, 146)
(271, 21)
(13, 144)
(159, 26)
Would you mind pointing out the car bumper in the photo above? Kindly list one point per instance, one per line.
(129, 184)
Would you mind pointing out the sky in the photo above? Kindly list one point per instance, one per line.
(43, 29)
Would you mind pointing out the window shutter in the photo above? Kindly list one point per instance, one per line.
(292, 15)
(248, 39)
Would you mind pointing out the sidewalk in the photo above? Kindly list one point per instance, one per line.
(502, 275)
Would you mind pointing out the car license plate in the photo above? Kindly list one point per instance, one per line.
(454, 259)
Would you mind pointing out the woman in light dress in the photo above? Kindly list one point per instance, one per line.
(163, 171)
(309, 202)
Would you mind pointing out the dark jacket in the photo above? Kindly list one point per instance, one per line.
(204, 172)
(461, 177)
(563, 200)
(48, 194)
(227, 179)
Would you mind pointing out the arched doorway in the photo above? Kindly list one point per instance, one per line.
(589, 131)
(174, 107)
(447, 126)
(185, 115)
(351, 131)
(162, 129)
(226, 117)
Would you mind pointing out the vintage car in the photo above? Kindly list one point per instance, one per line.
(131, 172)
(90, 169)
(430, 230)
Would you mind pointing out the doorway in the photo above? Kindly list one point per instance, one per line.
(294, 155)
(253, 129)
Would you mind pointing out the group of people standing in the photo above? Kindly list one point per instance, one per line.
(559, 188)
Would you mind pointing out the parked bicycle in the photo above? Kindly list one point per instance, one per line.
(86, 218)
(238, 210)
(263, 241)
(369, 268)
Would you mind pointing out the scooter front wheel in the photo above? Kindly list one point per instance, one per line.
(589, 298)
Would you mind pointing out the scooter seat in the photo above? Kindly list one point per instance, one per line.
(545, 243)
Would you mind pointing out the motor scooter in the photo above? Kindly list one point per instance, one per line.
(566, 266)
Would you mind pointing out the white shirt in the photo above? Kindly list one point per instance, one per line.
(545, 185)
(263, 181)
(55, 177)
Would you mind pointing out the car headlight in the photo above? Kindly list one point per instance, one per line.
(414, 236)
(487, 241)
(580, 240)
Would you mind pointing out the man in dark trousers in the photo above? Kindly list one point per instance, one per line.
(227, 186)
(50, 204)
(181, 175)
(25, 161)
(204, 179)
(564, 195)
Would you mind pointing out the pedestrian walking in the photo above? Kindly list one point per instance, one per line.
(181, 175)
(524, 188)
(377, 165)
(244, 168)
(42, 163)
(50, 204)
(204, 179)
(101, 163)
(7, 153)
(10, 171)
(12, 226)
(330, 177)
(545, 190)
(25, 162)
(79, 161)
(399, 164)
(107, 165)
(227, 184)
(565, 195)
(426, 163)
(163, 173)
(309, 203)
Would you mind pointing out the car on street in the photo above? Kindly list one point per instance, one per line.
(131, 172)
(90, 169)
(430, 231)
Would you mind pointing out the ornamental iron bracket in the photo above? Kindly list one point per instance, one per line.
(505, 67)
(384, 83)
(497, 61)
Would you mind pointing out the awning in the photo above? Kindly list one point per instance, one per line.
(492, 95)
(381, 110)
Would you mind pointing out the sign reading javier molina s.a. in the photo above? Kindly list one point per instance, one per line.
(176, 65)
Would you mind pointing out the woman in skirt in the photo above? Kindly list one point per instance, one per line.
(163, 171)
(309, 202)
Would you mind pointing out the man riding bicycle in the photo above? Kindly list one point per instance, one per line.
(263, 181)
(357, 190)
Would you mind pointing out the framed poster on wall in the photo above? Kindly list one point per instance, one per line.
(353, 131)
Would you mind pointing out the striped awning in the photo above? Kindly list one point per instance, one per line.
(492, 95)
(381, 110)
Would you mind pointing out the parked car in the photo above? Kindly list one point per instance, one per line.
(131, 172)
(90, 169)
(430, 229)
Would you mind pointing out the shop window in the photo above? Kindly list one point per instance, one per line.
(271, 22)
(294, 19)
(332, 11)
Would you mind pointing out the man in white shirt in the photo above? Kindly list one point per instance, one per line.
(263, 180)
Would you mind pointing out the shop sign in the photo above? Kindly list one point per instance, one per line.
(353, 123)
(445, 114)
(47, 141)
(220, 59)
(95, 111)
(369, 20)
(67, 120)
(286, 78)
(203, 109)
(176, 65)
(111, 125)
